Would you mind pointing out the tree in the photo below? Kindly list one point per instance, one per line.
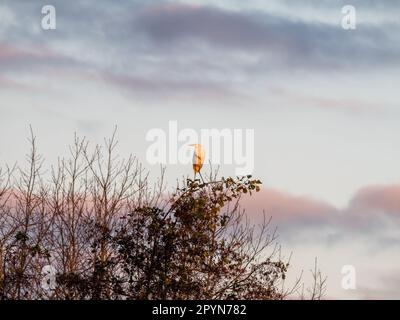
(198, 247)
(110, 234)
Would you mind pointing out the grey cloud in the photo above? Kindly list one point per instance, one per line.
(369, 4)
(188, 88)
(292, 43)
(156, 46)
(173, 31)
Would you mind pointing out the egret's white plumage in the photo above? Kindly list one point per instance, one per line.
(198, 157)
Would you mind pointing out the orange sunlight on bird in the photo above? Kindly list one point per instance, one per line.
(198, 159)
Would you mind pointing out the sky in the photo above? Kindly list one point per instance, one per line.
(323, 103)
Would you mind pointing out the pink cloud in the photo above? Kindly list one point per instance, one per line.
(10, 52)
(10, 84)
(378, 199)
(353, 105)
(285, 206)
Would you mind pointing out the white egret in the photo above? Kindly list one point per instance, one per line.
(198, 159)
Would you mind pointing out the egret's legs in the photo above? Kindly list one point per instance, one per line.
(201, 177)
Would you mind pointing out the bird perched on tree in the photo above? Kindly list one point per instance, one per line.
(198, 159)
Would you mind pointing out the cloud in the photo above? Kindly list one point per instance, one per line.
(153, 50)
(157, 88)
(369, 4)
(371, 209)
(378, 199)
(15, 58)
(286, 207)
(7, 83)
(280, 40)
(386, 287)
(190, 46)
(324, 102)
(363, 234)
